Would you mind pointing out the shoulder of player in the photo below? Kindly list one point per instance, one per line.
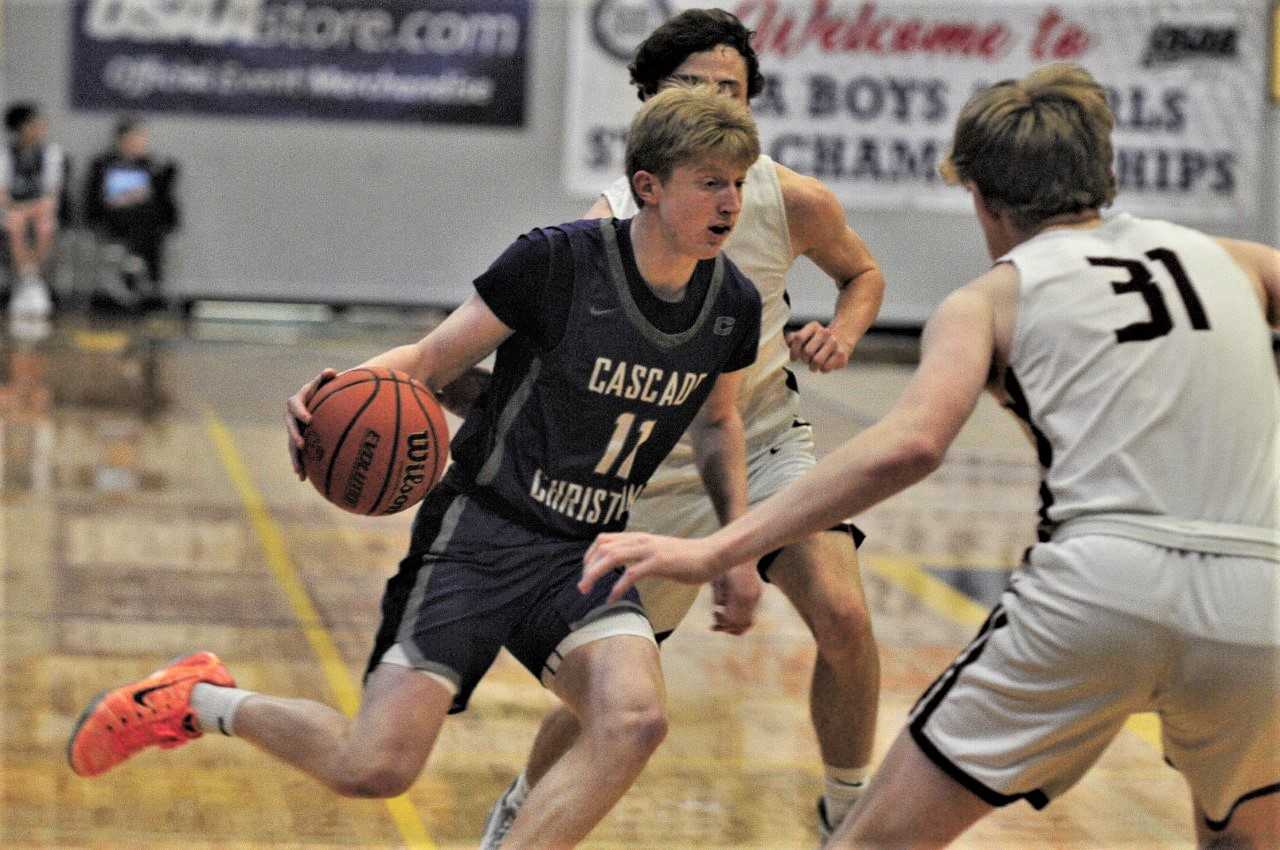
(806, 197)
(996, 284)
(974, 312)
(561, 232)
(1261, 265)
(601, 208)
(1254, 257)
(990, 292)
(814, 213)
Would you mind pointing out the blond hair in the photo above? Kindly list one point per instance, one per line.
(683, 124)
(1036, 147)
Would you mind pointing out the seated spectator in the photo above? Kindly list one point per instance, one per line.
(129, 201)
(31, 174)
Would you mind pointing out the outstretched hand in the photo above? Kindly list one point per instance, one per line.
(643, 555)
(820, 347)
(297, 417)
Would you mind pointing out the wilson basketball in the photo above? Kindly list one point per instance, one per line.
(377, 442)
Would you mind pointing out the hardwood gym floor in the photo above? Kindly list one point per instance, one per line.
(147, 508)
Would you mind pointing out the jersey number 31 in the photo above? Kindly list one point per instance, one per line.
(1141, 281)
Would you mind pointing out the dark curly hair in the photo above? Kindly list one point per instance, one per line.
(692, 31)
(18, 114)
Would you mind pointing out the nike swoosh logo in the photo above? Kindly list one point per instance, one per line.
(140, 697)
(601, 311)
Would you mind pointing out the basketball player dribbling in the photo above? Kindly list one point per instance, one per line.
(612, 337)
(785, 216)
(1137, 353)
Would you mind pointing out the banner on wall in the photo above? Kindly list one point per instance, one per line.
(451, 61)
(864, 95)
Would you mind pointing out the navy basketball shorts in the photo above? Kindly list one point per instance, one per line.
(475, 582)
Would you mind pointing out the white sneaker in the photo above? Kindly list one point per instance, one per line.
(501, 816)
(30, 299)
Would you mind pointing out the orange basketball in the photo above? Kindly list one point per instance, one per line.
(377, 443)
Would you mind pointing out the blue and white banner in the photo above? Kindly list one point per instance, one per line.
(864, 94)
(454, 61)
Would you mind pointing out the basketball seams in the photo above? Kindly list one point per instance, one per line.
(438, 458)
(374, 509)
(372, 414)
(337, 448)
(314, 403)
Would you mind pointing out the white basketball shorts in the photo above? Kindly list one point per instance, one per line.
(681, 508)
(1094, 629)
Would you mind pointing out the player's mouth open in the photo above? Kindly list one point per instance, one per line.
(721, 229)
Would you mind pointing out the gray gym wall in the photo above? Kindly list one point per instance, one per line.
(392, 213)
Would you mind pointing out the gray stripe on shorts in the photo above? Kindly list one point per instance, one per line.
(447, 673)
(608, 610)
(505, 420)
(413, 604)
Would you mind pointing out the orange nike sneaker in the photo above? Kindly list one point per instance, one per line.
(152, 711)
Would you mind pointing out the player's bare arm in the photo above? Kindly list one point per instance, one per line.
(899, 450)
(468, 335)
(820, 232)
(719, 445)
(1262, 264)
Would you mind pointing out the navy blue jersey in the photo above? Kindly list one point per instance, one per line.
(572, 428)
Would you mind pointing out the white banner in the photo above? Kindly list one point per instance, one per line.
(864, 95)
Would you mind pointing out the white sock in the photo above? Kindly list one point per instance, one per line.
(841, 789)
(216, 706)
(520, 791)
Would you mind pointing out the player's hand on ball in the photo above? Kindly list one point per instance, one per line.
(645, 555)
(820, 347)
(297, 417)
(374, 440)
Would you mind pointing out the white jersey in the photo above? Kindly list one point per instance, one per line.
(760, 246)
(1142, 363)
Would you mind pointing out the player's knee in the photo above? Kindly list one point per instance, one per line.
(635, 729)
(645, 728)
(842, 626)
(375, 781)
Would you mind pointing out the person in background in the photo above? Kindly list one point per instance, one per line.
(129, 201)
(31, 175)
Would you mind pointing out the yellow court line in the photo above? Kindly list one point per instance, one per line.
(959, 608)
(406, 817)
